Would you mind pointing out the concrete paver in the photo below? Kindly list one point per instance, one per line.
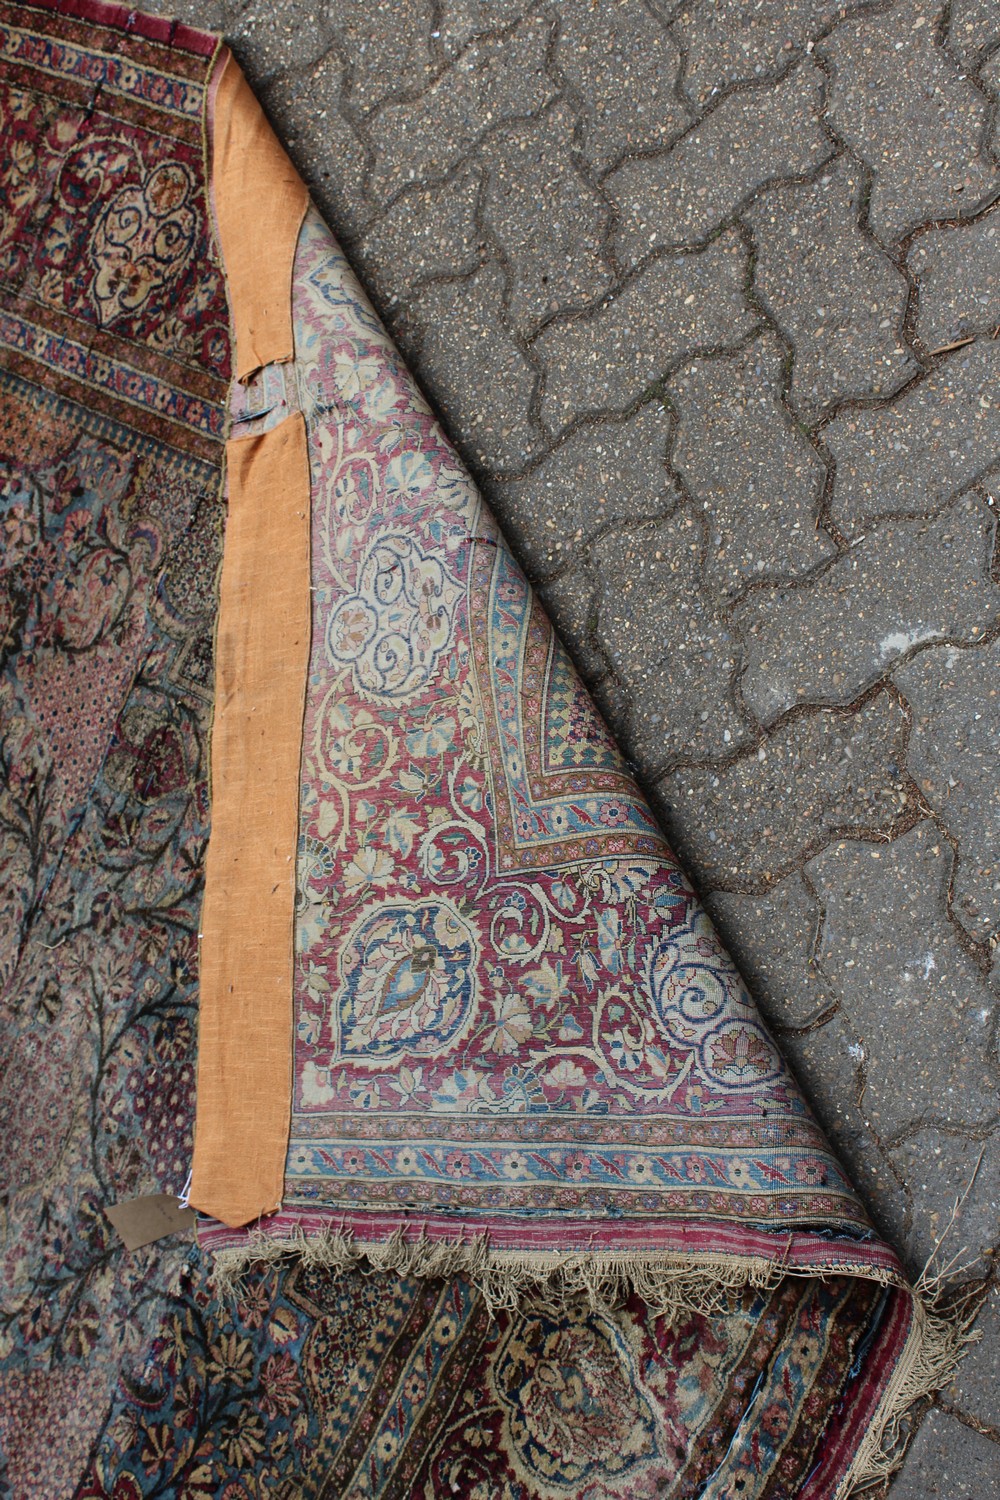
(678, 305)
(817, 775)
(949, 1461)
(836, 296)
(908, 109)
(957, 272)
(918, 998)
(912, 457)
(621, 66)
(756, 478)
(680, 196)
(952, 755)
(831, 638)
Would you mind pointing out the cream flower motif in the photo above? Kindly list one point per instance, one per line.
(740, 1175)
(368, 867)
(566, 1075)
(513, 1025)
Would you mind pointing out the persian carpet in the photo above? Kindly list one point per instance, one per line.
(504, 1189)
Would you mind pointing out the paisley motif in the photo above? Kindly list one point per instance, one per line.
(408, 981)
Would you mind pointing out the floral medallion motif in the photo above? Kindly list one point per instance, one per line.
(409, 975)
(143, 241)
(393, 628)
(573, 1402)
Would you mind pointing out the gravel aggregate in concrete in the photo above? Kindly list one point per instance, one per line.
(816, 775)
(902, 104)
(934, 441)
(831, 638)
(605, 474)
(665, 641)
(908, 984)
(745, 462)
(939, 1166)
(680, 196)
(835, 295)
(949, 1460)
(621, 66)
(957, 272)
(954, 697)
(676, 306)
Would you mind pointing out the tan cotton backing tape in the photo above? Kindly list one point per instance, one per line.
(260, 201)
(243, 1107)
(248, 912)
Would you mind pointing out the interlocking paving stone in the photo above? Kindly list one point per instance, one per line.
(751, 138)
(387, 41)
(903, 104)
(678, 306)
(550, 222)
(912, 457)
(907, 984)
(746, 464)
(427, 233)
(836, 296)
(458, 21)
(828, 1064)
(604, 474)
(772, 938)
(976, 1387)
(817, 775)
(949, 1461)
(906, 583)
(729, 41)
(622, 65)
(957, 271)
(571, 601)
(953, 757)
(973, 28)
(494, 81)
(475, 371)
(989, 73)
(947, 1221)
(666, 642)
(299, 41)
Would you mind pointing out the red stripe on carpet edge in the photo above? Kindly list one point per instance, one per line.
(798, 1249)
(175, 34)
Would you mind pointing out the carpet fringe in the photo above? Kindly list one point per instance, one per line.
(943, 1317)
(668, 1283)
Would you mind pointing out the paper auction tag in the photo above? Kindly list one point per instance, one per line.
(140, 1221)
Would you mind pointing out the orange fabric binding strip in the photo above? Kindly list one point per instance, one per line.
(262, 659)
(260, 201)
(247, 951)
